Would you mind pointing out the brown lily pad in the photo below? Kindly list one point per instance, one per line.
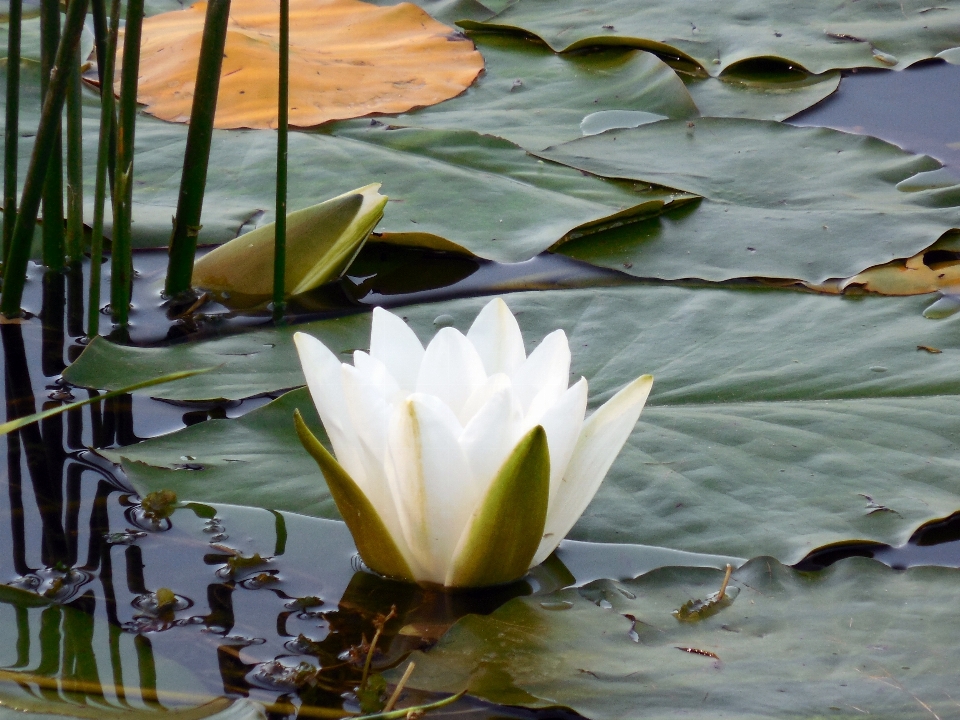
(348, 59)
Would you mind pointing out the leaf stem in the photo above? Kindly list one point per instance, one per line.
(43, 149)
(11, 133)
(121, 265)
(52, 230)
(107, 62)
(186, 225)
(74, 239)
(280, 227)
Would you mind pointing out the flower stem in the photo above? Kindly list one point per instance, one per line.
(186, 226)
(280, 228)
(74, 239)
(121, 266)
(107, 62)
(53, 184)
(43, 149)
(12, 128)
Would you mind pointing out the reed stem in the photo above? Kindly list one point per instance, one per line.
(280, 235)
(74, 238)
(53, 184)
(107, 61)
(121, 266)
(101, 41)
(11, 133)
(43, 149)
(186, 225)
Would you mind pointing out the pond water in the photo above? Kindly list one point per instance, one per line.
(274, 606)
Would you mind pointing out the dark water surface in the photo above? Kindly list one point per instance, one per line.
(275, 606)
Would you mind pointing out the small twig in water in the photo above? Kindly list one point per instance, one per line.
(379, 624)
(726, 580)
(399, 689)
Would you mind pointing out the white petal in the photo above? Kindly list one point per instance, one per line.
(563, 423)
(429, 478)
(490, 437)
(451, 369)
(321, 368)
(496, 336)
(370, 394)
(481, 396)
(393, 343)
(541, 380)
(601, 439)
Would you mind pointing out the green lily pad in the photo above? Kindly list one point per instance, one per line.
(30, 38)
(772, 415)
(856, 639)
(781, 202)
(759, 94)
(818, 36)
(531, 96)
(518, 205)
(254, 363)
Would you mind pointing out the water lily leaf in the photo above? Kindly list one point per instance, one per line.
(518, 206)
(781, 202)
(857, 638)
(760, 93)
(535, 98)
(936, 268)
(810, 402)
(347, 59)
(30, 38)
(817, 36)
(238, 361)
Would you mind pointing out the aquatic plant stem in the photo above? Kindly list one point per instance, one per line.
(43, 148)
(74, 238)
(186, 224)
(107, 135)
(52, 231)
(101, 40)
(121, 265)
(11, 133)
(280, 228)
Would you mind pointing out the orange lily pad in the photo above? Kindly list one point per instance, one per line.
(347, 59)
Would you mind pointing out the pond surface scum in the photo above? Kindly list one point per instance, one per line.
(107, 609)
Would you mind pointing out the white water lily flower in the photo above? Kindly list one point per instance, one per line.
(464, 464)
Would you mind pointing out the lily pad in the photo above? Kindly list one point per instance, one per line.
(855, 639)
(772, 414)
(347, 59)
(761, 93)
(477, 194)
(818, 36)
(535, 98)
(781, 202)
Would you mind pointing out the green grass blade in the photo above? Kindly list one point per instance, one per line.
(18, 423)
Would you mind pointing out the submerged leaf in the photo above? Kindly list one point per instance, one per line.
(857, 635)
(347, 59)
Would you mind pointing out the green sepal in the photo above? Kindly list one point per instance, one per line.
(376, 546)
(504, 533)
(322, 241)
